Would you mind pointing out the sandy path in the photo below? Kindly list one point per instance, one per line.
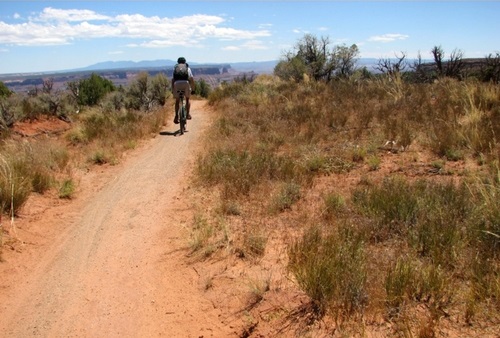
(113, 263)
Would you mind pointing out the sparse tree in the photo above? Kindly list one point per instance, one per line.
(313, 57)
(490, 71)
(438, 55)
(455, 64)
(451, 68)
(392, 67)
(343, 60)
(314, 53)
(419, 74)
(47, 85)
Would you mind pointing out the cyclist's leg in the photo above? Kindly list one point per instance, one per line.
(176, 118)
(188, 106)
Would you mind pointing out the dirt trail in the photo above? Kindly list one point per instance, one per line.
(111, 263)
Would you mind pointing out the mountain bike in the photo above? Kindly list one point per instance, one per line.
(182, 88)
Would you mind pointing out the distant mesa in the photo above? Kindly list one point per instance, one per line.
(120, 72)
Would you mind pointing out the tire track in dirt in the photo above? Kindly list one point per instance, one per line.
(117, 268)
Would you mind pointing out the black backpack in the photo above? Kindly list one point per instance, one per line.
(181, 72)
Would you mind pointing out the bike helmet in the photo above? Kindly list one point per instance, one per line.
(181, 60)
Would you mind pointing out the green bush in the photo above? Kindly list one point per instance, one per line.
(90, 91)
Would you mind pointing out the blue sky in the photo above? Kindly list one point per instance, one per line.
(58, 35)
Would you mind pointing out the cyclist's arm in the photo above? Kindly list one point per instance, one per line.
(191, 79)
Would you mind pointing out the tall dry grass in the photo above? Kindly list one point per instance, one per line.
(274, 140)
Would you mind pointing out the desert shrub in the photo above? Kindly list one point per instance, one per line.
(330, 268)
(431, 216)
(480, 124)
(67, 189)
(334, 205)
(76, 136)
(288, 195)
(145, 93)
(408, 281)
(254, 242)
(96, 125)
(115, 131)
(393, 206)
(4, 90)
(49, 155)
(30, 108)
(225, 91)
(15, 187)
(399, 283)
(201, 235)
(443, 216)
(27, 167)
(114, 101)
(158, 89)
(239, 172)
(42, 181)
(203, 88)
(485, 239)
(103, 156)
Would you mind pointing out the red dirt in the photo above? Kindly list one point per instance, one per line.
(112, 262)
(42, 125)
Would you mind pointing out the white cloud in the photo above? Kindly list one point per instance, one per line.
(388, 37)
(300, 31)
(58, 26)
(249, 45)
(49, 14)
(254, 44)
(231, 48)
(17, 16)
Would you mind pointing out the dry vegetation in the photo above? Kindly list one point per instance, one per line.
(363, 207)
(49, 161)
(349, 208)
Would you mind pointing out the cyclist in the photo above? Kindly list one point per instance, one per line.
(182, 78)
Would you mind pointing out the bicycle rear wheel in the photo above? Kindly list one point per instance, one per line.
(183, 119)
